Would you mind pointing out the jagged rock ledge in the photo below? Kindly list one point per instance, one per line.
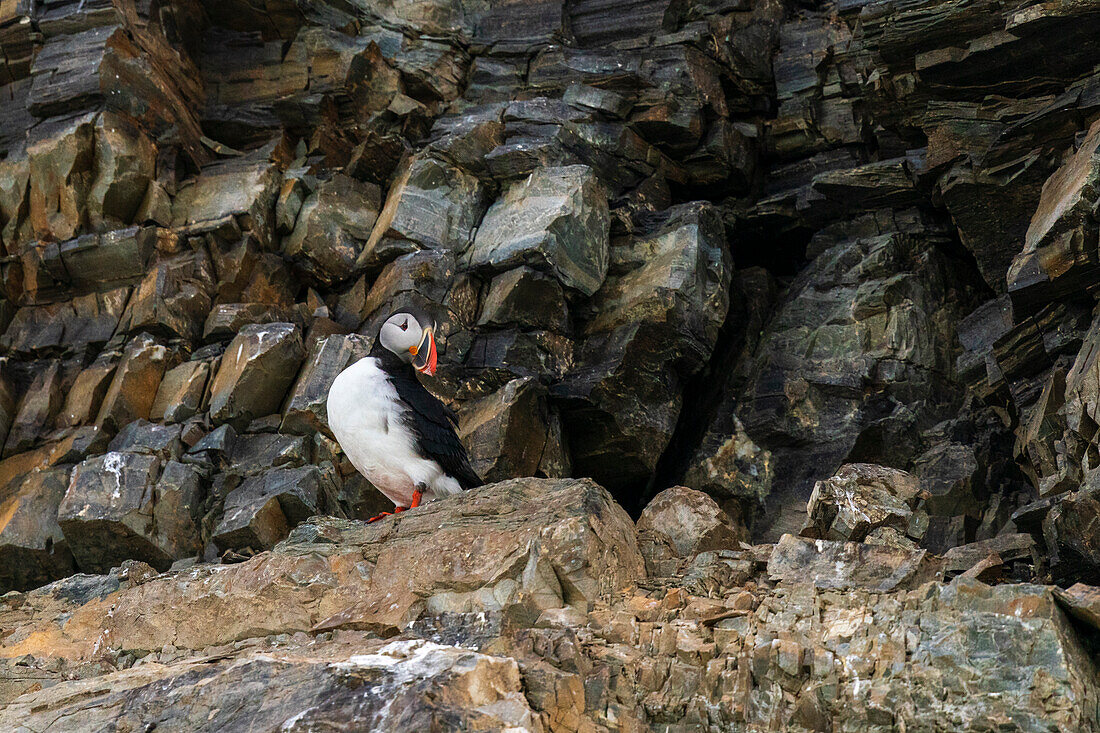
(526, 605)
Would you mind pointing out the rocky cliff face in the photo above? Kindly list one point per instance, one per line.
(829, 270)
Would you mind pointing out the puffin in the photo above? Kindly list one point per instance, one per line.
(393, 430)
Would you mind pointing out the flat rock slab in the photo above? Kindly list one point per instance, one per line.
(538, 542)
(354, 683)
(844, 565)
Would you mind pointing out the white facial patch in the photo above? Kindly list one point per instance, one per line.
(401, 332)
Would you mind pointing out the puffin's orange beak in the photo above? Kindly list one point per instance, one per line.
(424, 356)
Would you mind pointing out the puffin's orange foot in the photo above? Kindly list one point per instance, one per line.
(418, 494)
(396, 510)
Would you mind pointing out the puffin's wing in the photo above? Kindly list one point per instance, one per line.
(434, 426)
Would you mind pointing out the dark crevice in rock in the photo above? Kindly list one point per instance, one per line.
(720, 377)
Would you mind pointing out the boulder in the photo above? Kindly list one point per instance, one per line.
(1053, 260)
(333, 227)
(86, 395)
(1008, 548)
(122, 506)
(134, 385)
(506, 433)
(430, 205)
(33, 550)
(173, 298)
(253, 454)
(1082, 601)
(859, 499)
(227, 319)
(125, 163)
(259, 513)
(61, 171)
(556, 221)
(181, 392)
(255, 372)
(94, 260)
(37, 409)
(142, 436)
(681, 523)
(242, 189)
(527, 298)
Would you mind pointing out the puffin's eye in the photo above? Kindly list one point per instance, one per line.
(405, 325)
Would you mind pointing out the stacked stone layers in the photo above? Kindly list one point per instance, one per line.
(734, 246)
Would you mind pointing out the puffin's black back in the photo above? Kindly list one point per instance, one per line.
(431, 421)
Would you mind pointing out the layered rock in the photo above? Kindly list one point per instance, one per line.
(552, 626)
(832, 266)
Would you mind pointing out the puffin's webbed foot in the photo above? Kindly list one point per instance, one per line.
(418, 495)
(396, 510)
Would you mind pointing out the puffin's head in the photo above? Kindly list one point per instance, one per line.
(413, 341)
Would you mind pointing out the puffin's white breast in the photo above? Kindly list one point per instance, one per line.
(368, 419)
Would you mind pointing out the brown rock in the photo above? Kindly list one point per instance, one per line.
(1083, 601)
(1053, 259)
(61, 169)
(7, 408)
(85, 397)
(33, 551)
(255, 372)
(181, 391)
(553, 543)
(95, 260)
(125, 163)
(680, 523)
(135, 383)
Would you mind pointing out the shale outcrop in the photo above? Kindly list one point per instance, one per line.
(771, 325)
